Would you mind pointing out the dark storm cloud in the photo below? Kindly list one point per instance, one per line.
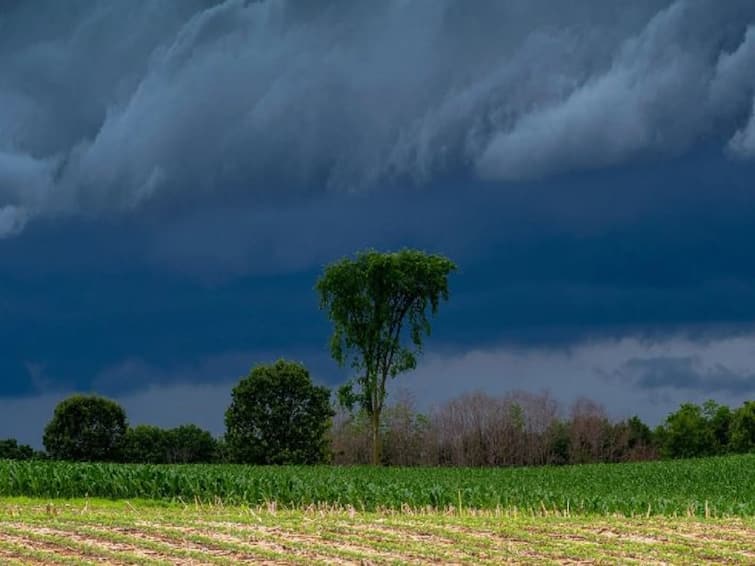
(106, 320)
(116, 106)
(646, 252)
(177, 174)
(687, 373)
(115, 307)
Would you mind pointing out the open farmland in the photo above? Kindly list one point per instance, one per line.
(139, 532)
(707, 487)
(684, 511)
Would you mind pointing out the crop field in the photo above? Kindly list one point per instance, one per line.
(140, 532)
(711, 487)
(691, 511)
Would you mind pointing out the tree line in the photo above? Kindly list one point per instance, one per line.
(532, 429)
(380, 306)
(278, 416)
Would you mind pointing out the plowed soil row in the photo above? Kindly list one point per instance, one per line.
(99, 532)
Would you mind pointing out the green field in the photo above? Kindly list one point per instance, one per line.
(683, 511)
(722, 486)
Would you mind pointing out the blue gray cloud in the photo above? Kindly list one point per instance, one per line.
(687, 373)
(111, 107)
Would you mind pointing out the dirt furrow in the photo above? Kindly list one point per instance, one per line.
(31, 547)
(125, 552)
(183, 545)
(328, 551)
(416, 542)
(15, 554)
(451, 534)
(217, 546)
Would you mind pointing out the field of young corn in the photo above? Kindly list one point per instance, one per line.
(693, 511)
(711, 487)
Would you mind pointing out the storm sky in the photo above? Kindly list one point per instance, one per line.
(175, 175)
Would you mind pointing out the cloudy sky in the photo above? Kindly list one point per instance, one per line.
(175, 175)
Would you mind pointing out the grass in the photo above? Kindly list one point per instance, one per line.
(35, 531)
(709, 487)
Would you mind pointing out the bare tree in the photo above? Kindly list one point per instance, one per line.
(519, 428)
(405, 433)
(350, 438)
(589, 432)
(539, 413)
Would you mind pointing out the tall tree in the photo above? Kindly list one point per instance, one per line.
(378, 304)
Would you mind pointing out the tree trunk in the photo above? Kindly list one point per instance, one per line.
(375, 439)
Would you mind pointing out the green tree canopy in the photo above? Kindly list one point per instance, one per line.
(378, 304)
(719, 420)
(639, 433)
(10, 449)
(278, 416)
(146, 444)
(686, 433)
(190, 444)
(86, 427)
(743, 428)
(181, 445)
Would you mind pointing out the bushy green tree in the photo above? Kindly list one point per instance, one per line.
(378, 304)
(86, 427)
(10, 449)
(686, 433)
(181, 445)
(559, 443)
(222, 454)
(742, 428)
(146, 444)
(189, 444)
(639, 433)
(718, 418)
(278, 416)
